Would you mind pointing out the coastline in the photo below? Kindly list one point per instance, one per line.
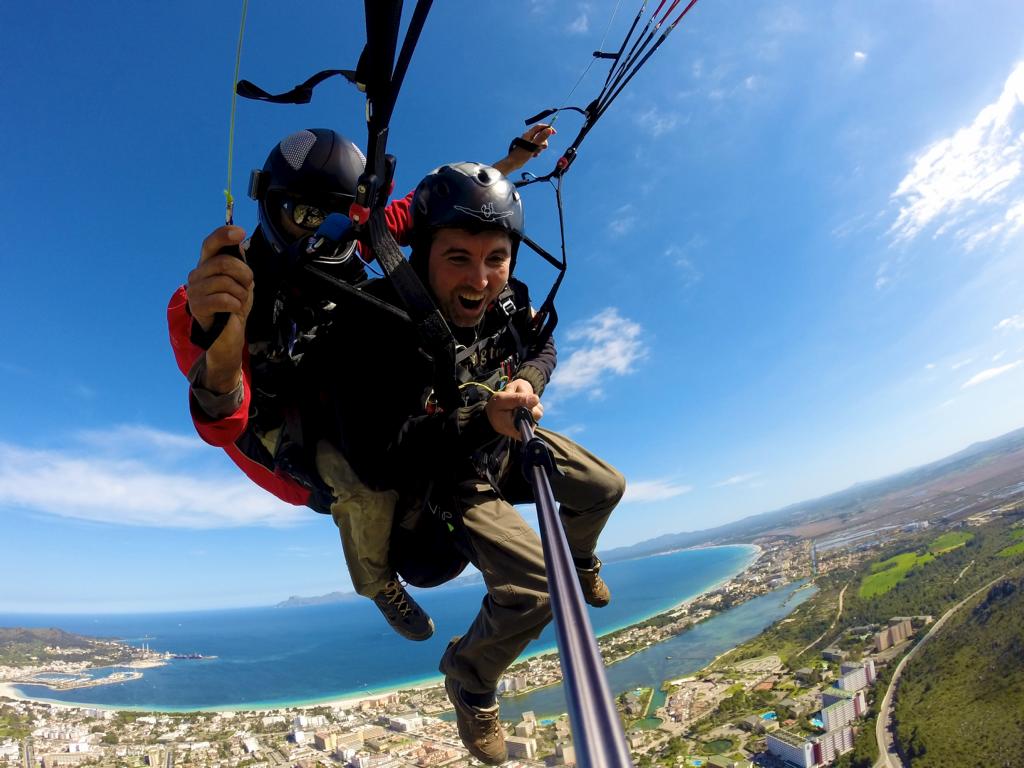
(350, 698)
(9, 691)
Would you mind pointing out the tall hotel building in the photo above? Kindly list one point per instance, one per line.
(897, 631)
(810, 753)
(854, 675)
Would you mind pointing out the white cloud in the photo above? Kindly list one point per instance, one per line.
(751, 83)
(128, 437)
(1011, 223)
(581, 24)
(606, 343)
(961, 183)
(1011, 323)
(622, 220)
(135, 483)
(859, 55)
(778, 25)
(738, 479)
(929, 366)
(680, 255)
(882, 278)
(84, 391)
(655, 122)
(998, 356)
(20, 370)
(990, 373)
(958, 365)
(654, 490)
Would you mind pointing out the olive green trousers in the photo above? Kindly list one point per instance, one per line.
(508, 552)
(364, 519)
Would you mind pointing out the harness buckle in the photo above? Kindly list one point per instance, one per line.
(506, 300)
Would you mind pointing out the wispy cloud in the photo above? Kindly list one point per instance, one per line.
(84, 391)
(127, 438)
(778, 25)
(738, 479)
(989, 374)
(581, 24)
(682, 257)
(623, 220)
(859, 56)
(572, 430)
(1011, 323)
(654, 490)
(606, 343)
(20, 370)
(882, 277)
(657, 122)
(961, 363)
(137, 485)
(968, 183)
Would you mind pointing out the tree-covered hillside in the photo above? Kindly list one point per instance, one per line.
(961, 700)
(20, 645)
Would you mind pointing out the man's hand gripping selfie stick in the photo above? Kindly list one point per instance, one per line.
(596, 726)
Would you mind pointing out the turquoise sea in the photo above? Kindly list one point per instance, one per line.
(269, 657)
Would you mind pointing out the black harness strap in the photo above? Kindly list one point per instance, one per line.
(434, 333)
(382, 82)
(300, 94)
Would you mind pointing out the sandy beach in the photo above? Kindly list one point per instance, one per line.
(11, 692)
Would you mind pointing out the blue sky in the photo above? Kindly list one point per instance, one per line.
(795, 260)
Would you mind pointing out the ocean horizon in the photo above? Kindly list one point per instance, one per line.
(272, 657)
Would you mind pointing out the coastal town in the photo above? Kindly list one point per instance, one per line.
(764, 702)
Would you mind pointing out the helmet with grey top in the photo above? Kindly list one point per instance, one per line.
(307, 176)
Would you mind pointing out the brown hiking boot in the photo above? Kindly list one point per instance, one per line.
(595, 591)
(403, 613)
(479, 727)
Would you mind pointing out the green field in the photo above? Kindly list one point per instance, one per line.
(1013, 549)
(718, 746)
(888, 573)
(949, 541)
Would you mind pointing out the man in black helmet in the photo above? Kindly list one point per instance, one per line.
(246, 390)
(456, 459)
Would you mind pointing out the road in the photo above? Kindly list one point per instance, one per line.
(831, 626)
(887, 754)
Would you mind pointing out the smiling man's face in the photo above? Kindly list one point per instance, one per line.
(467, 271)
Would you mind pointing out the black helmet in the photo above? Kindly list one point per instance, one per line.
(467, 196)
(308, 175)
